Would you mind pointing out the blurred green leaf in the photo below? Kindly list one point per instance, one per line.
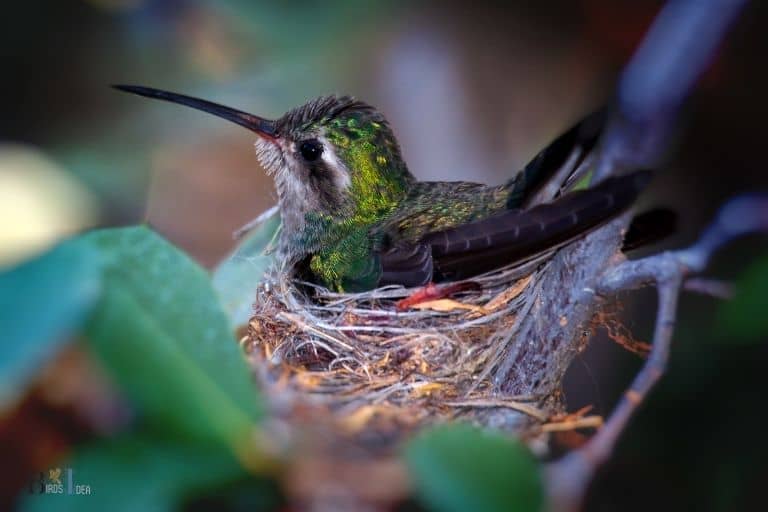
(458, 468)
(744, 317)
(135, 473)
(238, 275)
(123, 188)
(42, 302)
(583, 182)
(164, 337)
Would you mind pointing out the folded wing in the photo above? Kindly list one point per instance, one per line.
(508, 237)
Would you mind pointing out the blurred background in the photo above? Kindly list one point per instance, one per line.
(472, 89)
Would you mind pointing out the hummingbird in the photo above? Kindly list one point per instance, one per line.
(354, 218)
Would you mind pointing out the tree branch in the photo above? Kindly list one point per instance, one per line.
(661, 74)
(712, 287)
(675, 52)
(745, 215)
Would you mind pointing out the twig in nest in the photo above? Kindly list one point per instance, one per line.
(576, 423)
(510, 404)
(570, 421)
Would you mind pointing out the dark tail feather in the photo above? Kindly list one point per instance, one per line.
(650, 227)
(518, 235)
(545, 165)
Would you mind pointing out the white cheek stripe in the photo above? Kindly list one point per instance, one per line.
(340, 171)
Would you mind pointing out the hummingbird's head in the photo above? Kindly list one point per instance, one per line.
(333, 156)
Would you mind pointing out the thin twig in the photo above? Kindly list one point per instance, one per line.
(251, 224)
(712, 287)
(601, 446)
(528, 409)
(564, 426)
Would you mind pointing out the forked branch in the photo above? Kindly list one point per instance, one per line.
(668, 271)
(675, 52)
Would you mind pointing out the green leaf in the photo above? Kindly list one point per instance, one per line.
(238, 275)
(136, 473)
(744, 317)
(458, 468)
(165, 339)
(42, 303)
(583, 182)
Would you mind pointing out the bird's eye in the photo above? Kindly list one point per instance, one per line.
(311, 150)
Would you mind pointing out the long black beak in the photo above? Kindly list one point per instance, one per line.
(263, 127)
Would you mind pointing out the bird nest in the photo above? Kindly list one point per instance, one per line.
(378, 361)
